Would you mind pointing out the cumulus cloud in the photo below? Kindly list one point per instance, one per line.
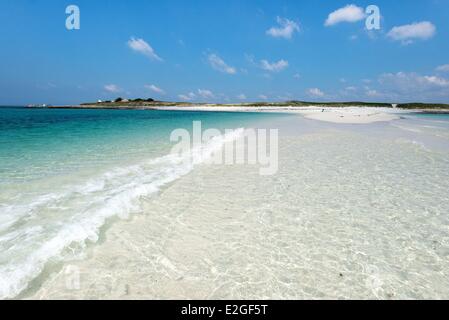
(113, 88)
(401, 86)
(286, 28)
(443, 68)
(407, 33)
(434, 80)
(241, 97)
(413, 86)
(218, 64)
(413, 81)
(206, 94)
(142, 47)
(154, 88)
(315, 92)
(275, 66)
(187, 97)
(350, 13)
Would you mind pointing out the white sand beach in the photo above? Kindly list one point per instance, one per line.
(352, 115)
(343, 115)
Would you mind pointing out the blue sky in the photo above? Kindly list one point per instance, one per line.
(223, 51)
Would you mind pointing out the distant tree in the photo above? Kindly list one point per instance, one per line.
(118, 99)
(150, 100)
(137, 100)
(107, 101)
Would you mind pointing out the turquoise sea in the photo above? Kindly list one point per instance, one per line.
(64, 173)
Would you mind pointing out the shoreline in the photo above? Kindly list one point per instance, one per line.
(339, 115)
(240, 108)
(334, 114)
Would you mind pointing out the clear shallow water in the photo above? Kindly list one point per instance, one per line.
(354, 212)
(64, 173)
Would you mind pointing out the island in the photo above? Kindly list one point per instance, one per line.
(149, 103)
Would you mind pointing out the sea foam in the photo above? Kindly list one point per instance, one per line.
(51, 227)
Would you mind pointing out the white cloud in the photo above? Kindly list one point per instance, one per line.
(154, 88)
(350, 13)
(206, 94)
(112, 88)
(218, 64)
(241, 97)
(263, 97)
(275, 66)
(434, 80)
(140, 46)
(413, 86)
(407, 33)
(443, 68)
(413, 81)
(187, 97)
(315, 92)
(285, 30)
